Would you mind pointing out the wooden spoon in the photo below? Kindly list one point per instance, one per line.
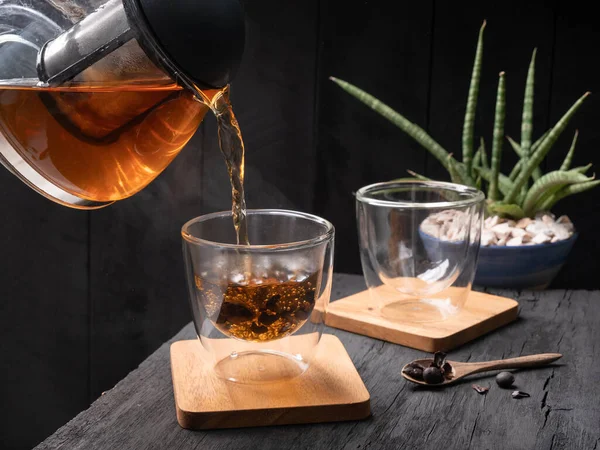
(461, 370)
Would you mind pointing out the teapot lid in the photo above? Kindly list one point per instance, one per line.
(203, 39)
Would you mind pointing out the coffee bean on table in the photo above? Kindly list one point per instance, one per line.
(505, 379)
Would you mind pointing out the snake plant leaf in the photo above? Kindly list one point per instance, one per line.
(504, 183)
(454, 173)
(469, 122)
(537, 173)
(549, 181)
(462, 171)
(484, 158)
(546, 196)
(405, 179)
(477, 158)
(418, 176)
(413, 130)
(527, 118)
(581, 169)
(515, 146)
(541, 204)
(570, 190)
(503, 209)
(537, 143)
(498, 137)
(540, 153)
(515, 170)
(569, 158)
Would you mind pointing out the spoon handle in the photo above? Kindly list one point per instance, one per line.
(514, 363)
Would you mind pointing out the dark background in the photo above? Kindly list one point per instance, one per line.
(86, 296)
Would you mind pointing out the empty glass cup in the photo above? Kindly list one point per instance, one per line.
(419, 242)
(259, 309)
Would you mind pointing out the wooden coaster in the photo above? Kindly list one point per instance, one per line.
(330, 390)
(481, 314)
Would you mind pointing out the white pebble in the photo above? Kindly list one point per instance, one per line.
(541, 238)
(515, 242)
(451, 225)
(488, 238)
(524, 222)
(517, 232)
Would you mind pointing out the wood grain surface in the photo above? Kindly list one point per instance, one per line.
(562, 412)
(481, 314)
(329, 391)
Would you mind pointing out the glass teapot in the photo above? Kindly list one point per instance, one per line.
(97, 98)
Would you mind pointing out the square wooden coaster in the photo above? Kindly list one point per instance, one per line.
(330, 390)
(481, 314)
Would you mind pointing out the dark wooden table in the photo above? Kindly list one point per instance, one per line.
(563, 411)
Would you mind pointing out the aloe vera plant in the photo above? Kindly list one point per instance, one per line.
(523, 192)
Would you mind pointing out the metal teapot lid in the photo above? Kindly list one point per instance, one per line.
(204, 38)
(201, 41)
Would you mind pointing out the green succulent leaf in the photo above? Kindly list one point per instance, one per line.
(543, 149)
(484, 158)
(537, 173)
(454, 171)
(527, 118)
(413, 130)
(418, 176)
(478, 181)
(504, 183)
(581, 169)
(515, 146)
(550, 181)
(537, 143)
(404, 179)
(569, 158)
(469, 122)
(477, 158)
(568, 191)
(498, 137)
(503, 209)
(515, 171)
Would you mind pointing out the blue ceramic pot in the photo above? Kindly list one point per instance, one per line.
(526, 267)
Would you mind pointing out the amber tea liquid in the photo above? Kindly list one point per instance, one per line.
(102, 144)
(262, 309)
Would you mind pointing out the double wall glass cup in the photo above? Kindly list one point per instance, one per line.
(419, 243)
(259, 309)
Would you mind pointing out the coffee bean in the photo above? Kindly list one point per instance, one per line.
(505, 379)
(414, 370)
(433, 375)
